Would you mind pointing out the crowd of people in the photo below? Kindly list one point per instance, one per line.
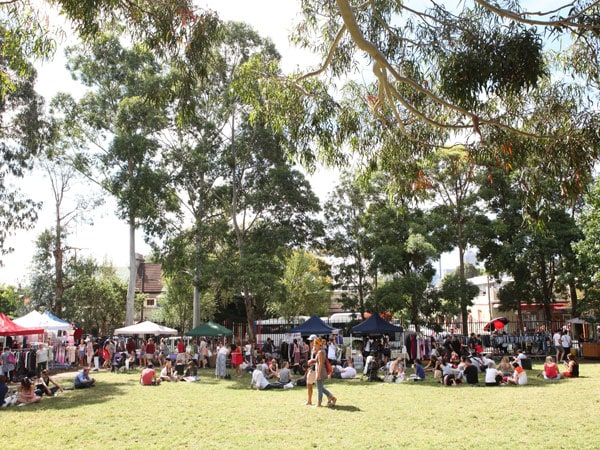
(307, 363)
(455, 365)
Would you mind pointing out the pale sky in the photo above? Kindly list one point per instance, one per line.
(108, 238)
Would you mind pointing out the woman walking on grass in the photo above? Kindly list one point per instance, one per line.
(322, 374)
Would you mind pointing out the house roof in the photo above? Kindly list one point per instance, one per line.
(149, 278)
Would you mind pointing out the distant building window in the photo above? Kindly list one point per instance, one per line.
(150, 302)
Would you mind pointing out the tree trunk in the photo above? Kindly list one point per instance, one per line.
(574, 300)
(58, 268)
(196, 304)
(129, 312)
(461, 270)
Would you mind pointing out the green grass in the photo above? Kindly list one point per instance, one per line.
(119, 413)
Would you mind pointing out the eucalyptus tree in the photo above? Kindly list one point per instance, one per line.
(69, 210)
(267, 203)
(450, 177)
(346, 239)
(42, 284)
(119, 123)
(458, 294)
(532, 244)
(196, 159)
(403, 255)
(588, 257)
(23, 132)
(271, 207)
(30, 32)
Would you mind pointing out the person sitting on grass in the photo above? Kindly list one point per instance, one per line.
(148, 376)
(572, 367)
(260, 381)
(43, 385)
(492, 376)
(397, 369)
(83, 380)
(3, 389)
(550, 369)
(344, 372)
(27, 392)
(419, 371)
(284, 373)
(167, 373)
(519, 375)
(505, 367)
(430, 367)
(471, 373)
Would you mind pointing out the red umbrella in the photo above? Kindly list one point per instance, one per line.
(495, 324)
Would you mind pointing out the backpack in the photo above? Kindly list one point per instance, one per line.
(11, 358)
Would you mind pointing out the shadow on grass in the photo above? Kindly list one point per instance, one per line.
(346, 408)
(75, 398)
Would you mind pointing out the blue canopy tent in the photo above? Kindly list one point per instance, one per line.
(314, 325)
(375, 326)
(55, 323)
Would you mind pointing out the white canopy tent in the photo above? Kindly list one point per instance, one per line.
(146, 327)
(35, 319)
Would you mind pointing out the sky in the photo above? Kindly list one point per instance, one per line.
(108, 238)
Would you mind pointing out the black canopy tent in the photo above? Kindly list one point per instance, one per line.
(314, 325)
(375, 326)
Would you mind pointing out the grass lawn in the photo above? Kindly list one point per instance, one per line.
(119, 413)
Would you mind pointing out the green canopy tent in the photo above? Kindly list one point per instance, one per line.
(210, 329)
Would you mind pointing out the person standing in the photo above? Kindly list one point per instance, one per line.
(332, 351)
(163, 352)
(565, 341)
(131, 347)
(89, 352)
(81, 353)
(221, 363)
(322, 375)
(558, 346)
(311, 376)
(150, 351)
(236, 358)
(297, 353)
(203, 352)
(249, 353)
(8, 363)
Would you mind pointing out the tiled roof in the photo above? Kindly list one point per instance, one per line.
(149, 278)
